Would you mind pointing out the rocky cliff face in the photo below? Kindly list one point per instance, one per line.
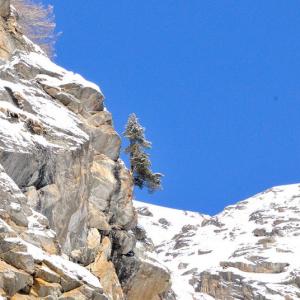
(249, 251)
(68, 225)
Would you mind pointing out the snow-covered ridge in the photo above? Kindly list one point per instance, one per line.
(250, 250)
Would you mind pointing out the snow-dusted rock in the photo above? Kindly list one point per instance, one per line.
(248, 251)
(64, 191)
(45, 145)
(46, 161)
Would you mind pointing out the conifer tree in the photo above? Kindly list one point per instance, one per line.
(140, 163)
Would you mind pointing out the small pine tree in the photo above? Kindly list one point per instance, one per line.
(139, 160)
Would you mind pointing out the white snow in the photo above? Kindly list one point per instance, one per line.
(279, 209)
(60, 122)
(74, 270)
(15, 206)
(42, 62)
(177, 218)
(35, 227)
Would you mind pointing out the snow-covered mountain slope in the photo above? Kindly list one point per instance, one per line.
(251, 250)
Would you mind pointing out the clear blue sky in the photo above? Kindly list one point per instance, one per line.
(215, 82)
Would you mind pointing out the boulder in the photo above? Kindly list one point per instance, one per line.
(90, 98)
(45, 240)
(13, 280)
(20, 260)
(102, 184)
(92, 293)
(73, 295)
(14, 252)
(124, 241)
(17, 215)
(83, 293)
(67, 281)
(142, 278)
(45, 273)
(105, 271)
(100, 118)
(140, 233)
(106, 141)
(144, 211)
(225, 285)
(92, 247)
(43, 288)
(97, 219)
(257, 266)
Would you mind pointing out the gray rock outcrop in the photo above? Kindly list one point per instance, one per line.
(66, 209)
(30, 260)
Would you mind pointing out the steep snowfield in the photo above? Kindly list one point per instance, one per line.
(251, 250)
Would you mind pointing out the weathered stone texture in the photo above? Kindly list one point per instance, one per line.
(63, 189)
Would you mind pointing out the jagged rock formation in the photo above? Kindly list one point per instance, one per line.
(29, 253)
(249, 251)
(67, 218)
